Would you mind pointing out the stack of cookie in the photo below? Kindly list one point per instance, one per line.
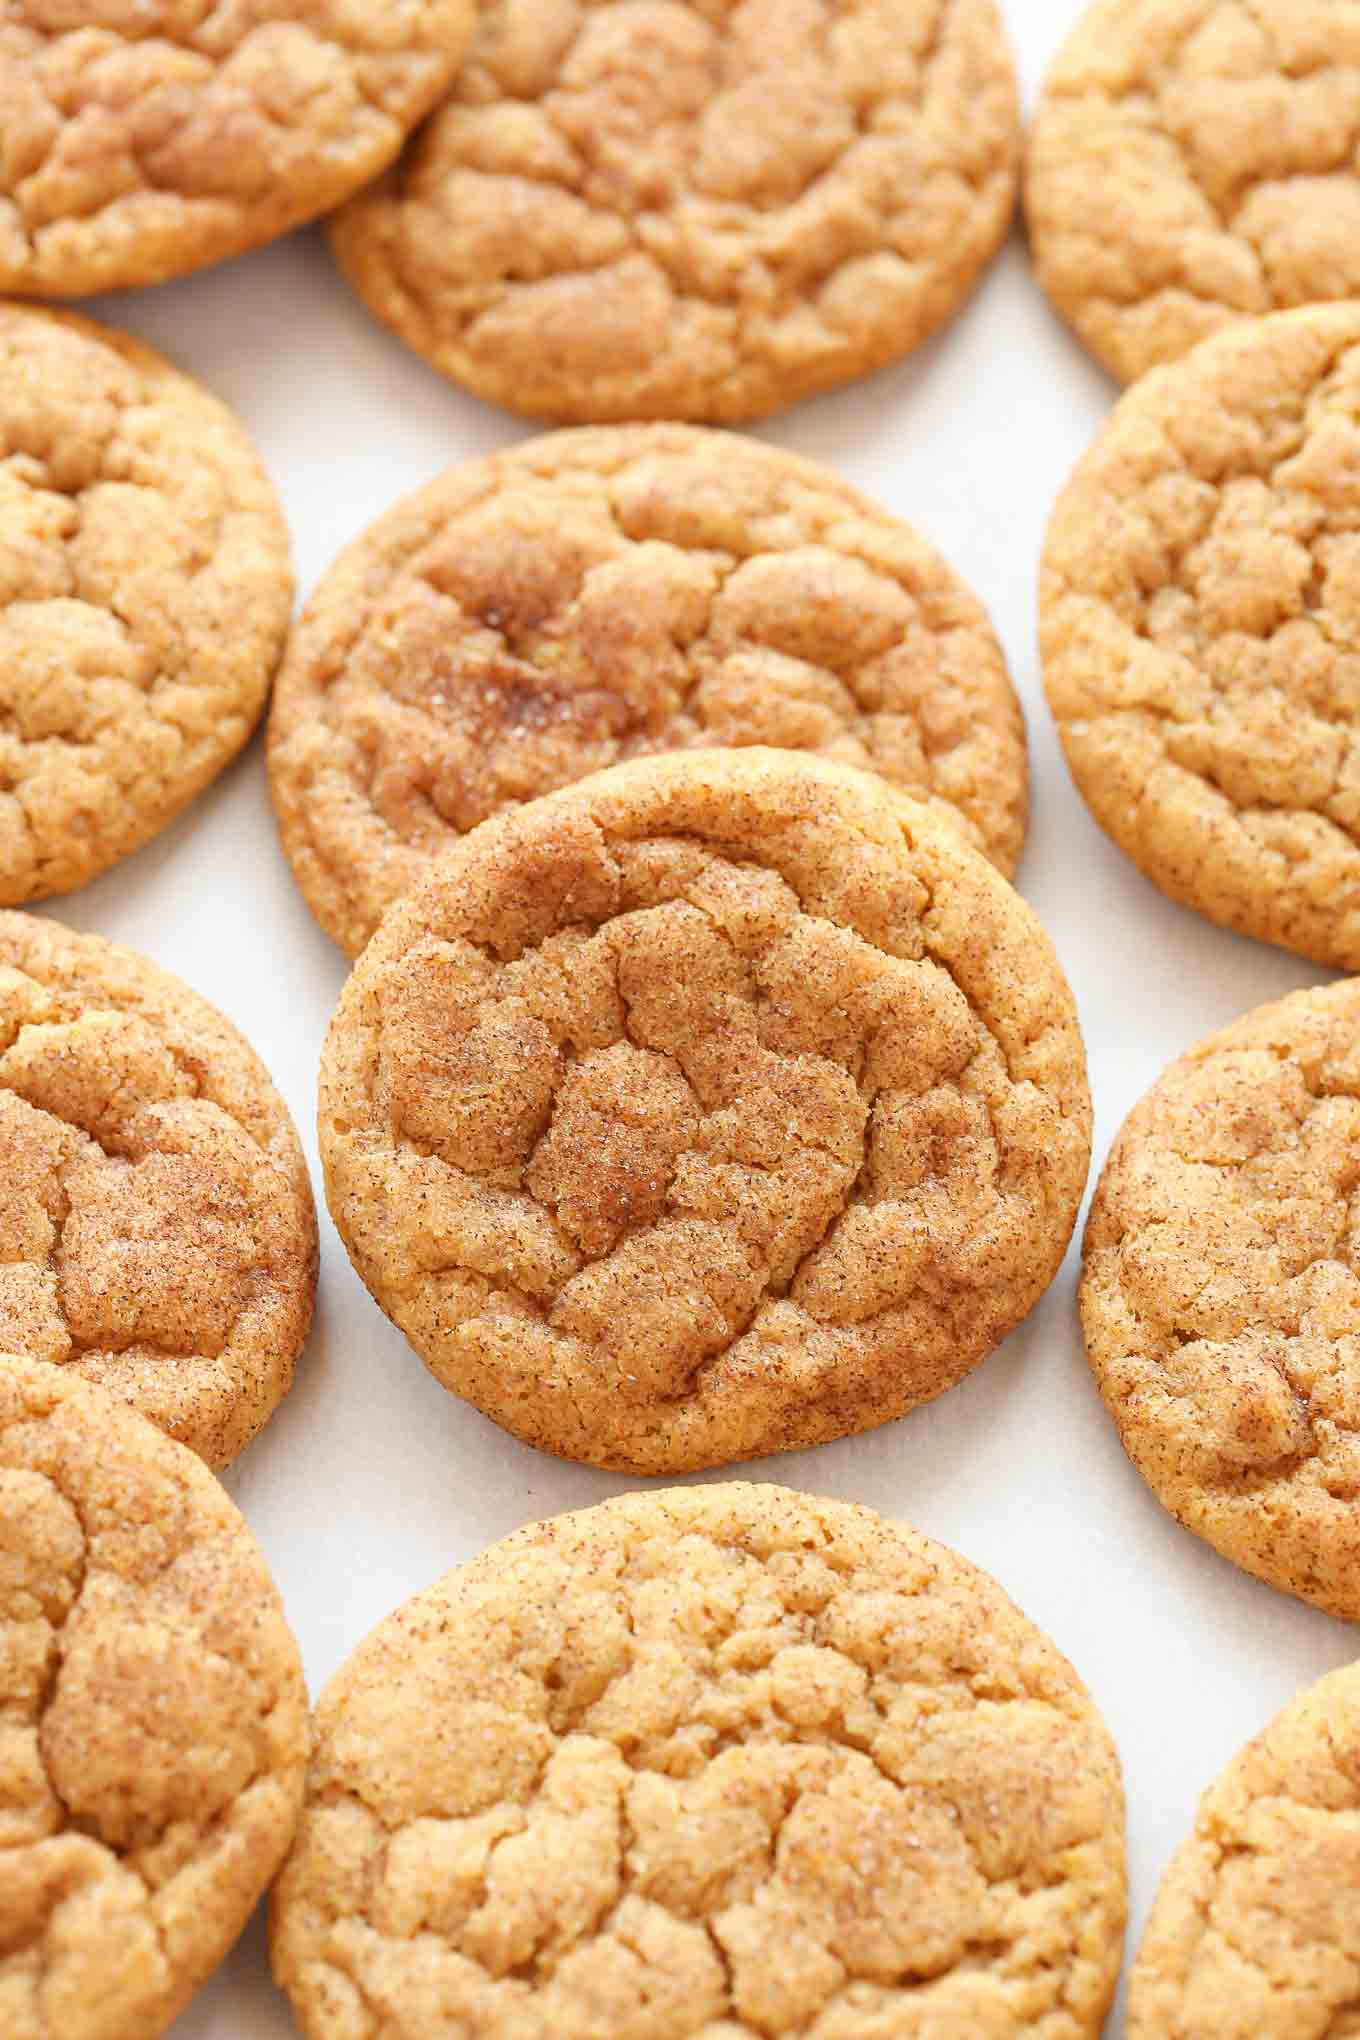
(702, 1089)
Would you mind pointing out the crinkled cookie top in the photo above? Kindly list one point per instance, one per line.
(153, 1719)
(145, 590)
(1255, 1927)
(693, 208)
(1192, 161)
(599, 594)
(141, 139)
(710, 1764)
(1200, 625)
(157, 1234)
(1221, 1293)
(720, 1104)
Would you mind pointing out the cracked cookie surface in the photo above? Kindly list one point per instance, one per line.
(696, 1765)
(145, 590)
(605, 593)
(153, 1718)
(693, 208)
(1192, 162)
(1200, 629)
(142, 139)
(720, 1104)
(1221, 1292)
(1254, 1933)
(157, 1233)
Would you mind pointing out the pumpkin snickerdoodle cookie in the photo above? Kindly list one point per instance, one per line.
(1221, 1292)
(142, 139)
(1255, 1934)
(1200, 626)
(720, 1104)
(689, 209)
(153, 1719)
(597, 594)
(1192, 162)
(707, 1764)
(157, 1234)
(145, 590)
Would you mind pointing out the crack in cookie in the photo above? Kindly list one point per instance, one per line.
(693, 208)
(715, 1762)
(718, 1105)
(600, 595)
(157, 1234)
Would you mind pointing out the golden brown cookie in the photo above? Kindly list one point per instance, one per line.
(719, 1761)
(1200, 626)
(720, 1104)
(1255, 1934)
(142, 139)
(145, 590)
(1221, 1292)
(600, 594)
(688, 209)
(157, 1234)
(153, 1719)
(1192, 161)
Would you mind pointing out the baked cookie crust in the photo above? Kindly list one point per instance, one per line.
(720, 1761)
(719, 1105)
(686, 209)
(154, 1742)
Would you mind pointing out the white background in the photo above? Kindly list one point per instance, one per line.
(371, 1480)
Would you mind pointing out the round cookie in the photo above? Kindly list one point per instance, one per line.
(720, 1761)
(690, 209)
(1200, 628)
(1255, 1931)
(157, 1234)
(145, 138)
(1192, 161)
(145, 591)
(154, 1741)
(718, 1105)
(1221, 1292)
(599, 594)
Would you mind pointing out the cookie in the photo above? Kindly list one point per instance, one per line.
(715, 1761)
(145, 591)
(1255, 1930)
(720, 1104)
(600, 594)
(157, 1235)
(139, 142)
(1221, 1292)
(1192, 162)
(1200, 627)
(682, 209)
(154, 1739)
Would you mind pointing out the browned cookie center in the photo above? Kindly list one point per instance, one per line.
(599, 595)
